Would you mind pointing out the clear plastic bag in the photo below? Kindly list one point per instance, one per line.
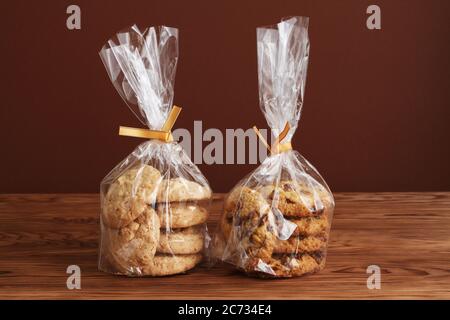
(154, 204)
(276, 221)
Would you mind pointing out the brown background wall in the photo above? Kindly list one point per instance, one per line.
(376, 114)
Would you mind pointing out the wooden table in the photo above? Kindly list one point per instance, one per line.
(406, 234)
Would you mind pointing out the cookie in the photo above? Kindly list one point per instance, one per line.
(164, 265)
(250, 224)
(181, 215)
(180, 189)
(285, 266)
(304, 226)
(311, 226)
(134, 245)
(127, 196)
(298, 244)
(181, 241)
(120, 211)
(297, 199)
(143, 179)
(295, 243)
(245, 200)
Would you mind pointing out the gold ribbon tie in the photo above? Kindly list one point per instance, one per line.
(164, 134)
(277, 146)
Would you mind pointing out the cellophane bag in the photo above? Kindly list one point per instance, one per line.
(154, 204)
(276, 221)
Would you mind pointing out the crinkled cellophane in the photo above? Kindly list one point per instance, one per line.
(155, 203)
(276, 221)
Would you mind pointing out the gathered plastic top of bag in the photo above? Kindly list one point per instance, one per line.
(142, 66)
(283, 52)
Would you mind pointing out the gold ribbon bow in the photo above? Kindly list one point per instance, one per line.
(164, 134)
(276, 147)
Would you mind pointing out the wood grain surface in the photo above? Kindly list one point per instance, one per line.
(406, 234)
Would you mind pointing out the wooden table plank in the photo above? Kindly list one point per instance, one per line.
(406, 234)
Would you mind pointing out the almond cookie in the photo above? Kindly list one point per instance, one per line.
(166, 264)
(180, 189)
(297, 199)
(134, 245)
(127, 196)
(181, 215)
(120, 211)
(181, 241)
(298, 244)
(143, 178)
(251, 223)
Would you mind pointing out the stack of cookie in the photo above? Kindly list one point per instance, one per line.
(181, 209)
(152, 226)
(277, 230)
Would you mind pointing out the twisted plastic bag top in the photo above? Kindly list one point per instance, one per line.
(283, 52)
(142, 67)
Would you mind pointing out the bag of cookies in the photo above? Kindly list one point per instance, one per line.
(154, 204)
(276, 220)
